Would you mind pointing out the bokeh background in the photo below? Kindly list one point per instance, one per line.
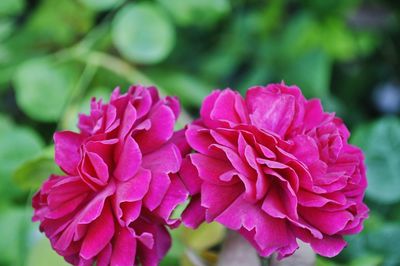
(56, 54)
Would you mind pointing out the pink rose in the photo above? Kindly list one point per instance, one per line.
(120, 184)
(274, 167)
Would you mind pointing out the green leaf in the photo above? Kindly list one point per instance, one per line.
(367, 260)
(6, 28)
(300, 35)
(204, 237)
(177, 249)
(324, 262)
(31, 174)
(17, 144)
(42, 88)
(42, 254)
(143, 33)
(381, 144)
(5, 124)
(57, 22)
(102, 4)
(13, 230)
(384, 241)
(190, 90)
(194, 12)
(338, 40)
(312, 73)
(356, 247)
(11, 7)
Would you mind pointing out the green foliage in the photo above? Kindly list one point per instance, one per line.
(43, 85)
(188, 88)
(56, 55)
(58, 23)
(18, 144)
(381, 143)
(14, 224)
(149, 44)
(196, 13)
(32, 173)
(384, 241)
(311, 72)
(102, 4)
(11, 7)
(42, 254)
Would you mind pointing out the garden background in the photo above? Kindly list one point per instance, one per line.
(56, 54)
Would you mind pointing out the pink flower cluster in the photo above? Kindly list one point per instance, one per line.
(275, 167)
(272, 166)
(121, 182)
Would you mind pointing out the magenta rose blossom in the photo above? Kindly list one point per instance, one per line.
(121, 182)
(275, 167)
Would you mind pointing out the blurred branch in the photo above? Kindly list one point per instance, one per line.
(236, 251)
(116, 65)
(71, 106)
(304, 256)
(194, 258)
(125, 70)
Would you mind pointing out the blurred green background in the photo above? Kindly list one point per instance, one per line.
(56, 54)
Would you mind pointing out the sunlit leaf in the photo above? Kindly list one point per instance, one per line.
(17, 144)
(143, 33)
(42, 88)
(33, 172)
(204, 237)
(42, 254)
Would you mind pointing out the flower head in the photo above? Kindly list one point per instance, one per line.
(120, 184)
(276, 168)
